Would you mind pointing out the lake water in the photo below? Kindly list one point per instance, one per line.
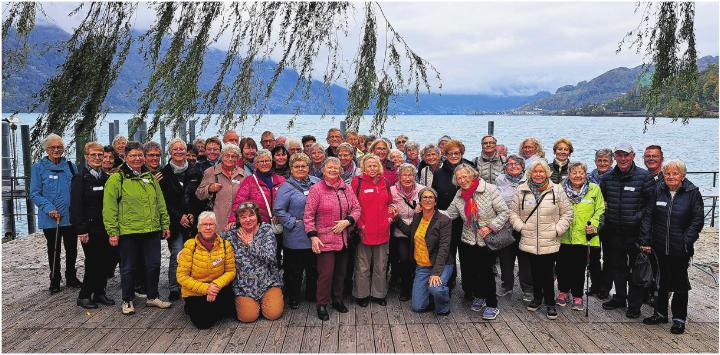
(696, 143)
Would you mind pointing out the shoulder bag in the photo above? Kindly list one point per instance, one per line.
(276, 227)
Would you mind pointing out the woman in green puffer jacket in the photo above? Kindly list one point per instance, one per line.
(135, 218)
(588, 206)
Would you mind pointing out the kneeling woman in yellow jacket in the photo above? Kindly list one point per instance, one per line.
(575, 249)
(206, 267)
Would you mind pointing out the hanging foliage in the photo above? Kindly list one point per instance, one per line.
(174, 49)
(666, 37)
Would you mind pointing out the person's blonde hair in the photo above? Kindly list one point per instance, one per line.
(367, 157)
(91, 145)
(538, 147)
(536, 162)
(563, 140)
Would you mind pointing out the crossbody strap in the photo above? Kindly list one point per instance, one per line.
(267, 205)
(536, 207)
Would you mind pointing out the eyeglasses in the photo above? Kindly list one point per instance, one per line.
(267, 141)
(135, 156)
(263, 162)
(400, 142)
(208, 225)
(453, 154)
(96, 155)
(56, 147)
(427, 197)
(152, 155)
(489, 143)
(300, 166)
(512, 164)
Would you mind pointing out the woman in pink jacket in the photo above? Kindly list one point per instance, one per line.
(331, 207)
(261, 188)
(373, 191)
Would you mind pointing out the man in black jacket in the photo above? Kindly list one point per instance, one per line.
(625, 189)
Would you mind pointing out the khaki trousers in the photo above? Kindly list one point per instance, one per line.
(370, 270)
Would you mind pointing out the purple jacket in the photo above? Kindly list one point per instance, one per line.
(325, 205)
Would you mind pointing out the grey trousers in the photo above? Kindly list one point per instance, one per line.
(370, 270)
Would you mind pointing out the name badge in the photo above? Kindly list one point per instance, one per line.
(586, 201)
(181, 184)
(53, 177)
(306, 193)
(368, 190)
(661, 203)
(216, 261)
(530, 203)
(98, 188)
(146, 181)
(236, 181)
(629, 188)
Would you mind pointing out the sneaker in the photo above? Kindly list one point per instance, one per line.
(527, 296)
(551, 312)
(632, 313)
(490, 313)
(562, 299)
(128, 307)
(534, 305)
(577, 304)
(156, 302)
(613, 304)
(477, 304)
(503, 292)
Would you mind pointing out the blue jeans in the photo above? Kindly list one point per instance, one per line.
(421, 291)
(175, 245)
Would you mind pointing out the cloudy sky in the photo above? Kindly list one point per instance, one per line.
(507, 48)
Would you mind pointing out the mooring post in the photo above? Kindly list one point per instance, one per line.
(491, 127)
(7, 186)
(191, 134)
(27, 167)
(162, 142)
(111, 132)
(343, 127)
(117, 128)
(182, 133)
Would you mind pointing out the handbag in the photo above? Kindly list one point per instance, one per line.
(642, 274)
(499, 240)
(276, 227)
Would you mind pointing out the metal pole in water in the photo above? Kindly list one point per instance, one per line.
(163, 141)
(27, 166)
(343, 127)
(111, 132)
(491, 127)
(117, 127)
(142, 132)
(7, 200)
(182, 132)
(191, 134)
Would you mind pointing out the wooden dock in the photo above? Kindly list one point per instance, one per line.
(35, 321)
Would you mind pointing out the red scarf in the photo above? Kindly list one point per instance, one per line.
(208, 244)
(471, 208)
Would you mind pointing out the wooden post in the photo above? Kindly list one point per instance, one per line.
(27, 167)
(491, 127)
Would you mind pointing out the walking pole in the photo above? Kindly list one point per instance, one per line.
(56, 249)
(588, 236)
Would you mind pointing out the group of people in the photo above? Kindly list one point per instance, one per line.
(246, 227)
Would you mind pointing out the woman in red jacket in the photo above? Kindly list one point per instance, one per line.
(373, 193)
(330, 209)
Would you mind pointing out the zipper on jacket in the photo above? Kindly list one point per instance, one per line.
(667, 232)
(340, 205)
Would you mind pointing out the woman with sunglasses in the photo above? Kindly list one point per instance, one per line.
(330, 209)
(258, 278)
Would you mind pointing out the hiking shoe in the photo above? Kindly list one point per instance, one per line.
(534, 305)
(602, 295)
(156, 302)
(562, 299)
(490, 313)
(128, 308)
(678, 327)
(632, 313)
(577, 304)
(613, 304)
(527, 296)
(551, 312)
(655, 319)
(503, 292)
(477, 304)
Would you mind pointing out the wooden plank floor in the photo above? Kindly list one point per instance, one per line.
(40, 322)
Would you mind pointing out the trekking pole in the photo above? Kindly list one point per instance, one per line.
(56, 249)
(588, 236)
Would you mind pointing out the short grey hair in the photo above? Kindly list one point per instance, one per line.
(198, 141)
(395, 151)
(428, 148)
(535, 163)
(427, 188)
(263, 152)
(119, 138)
(230, 148)
(291, 141)
(329, 160)
(406, 166)
(677, 163)
(316, 146)
(176, 140)
(575, 164)
(473, 173)
(346, 146)
(411, 145)
(49, 138)
(206, 215)
(150, 146)
(518, 159)
(604, 152)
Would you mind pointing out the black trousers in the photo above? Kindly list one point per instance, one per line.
(98, 261)
(204, 314)
(348, 282)
(297, 261)
(65, 235)
(479, 264)
(673, 278)
(402, 263)
(133, 248)
(619, 261)
(542, 267)
(598, 278)
(507, 257)
(455, 244)
(571, 265)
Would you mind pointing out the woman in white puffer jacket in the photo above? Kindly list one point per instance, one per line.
(541, 213)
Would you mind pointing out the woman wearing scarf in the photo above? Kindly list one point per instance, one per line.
(172, 182)
(430, 163)
(588, 206)
(562, 148)
(489, 163)
(290, 208)
(346, 154)
(220, 185)
(261, 188)
(405, 201)
(280, 163)
(507, 183)
(316, 152)
(541, 213)
(483, 211)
